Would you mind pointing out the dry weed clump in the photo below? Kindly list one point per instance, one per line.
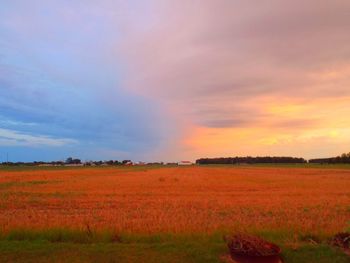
(246, 245)
(341, 240)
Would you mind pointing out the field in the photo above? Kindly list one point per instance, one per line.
(170, 214)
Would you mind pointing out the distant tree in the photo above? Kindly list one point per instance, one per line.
(76, 161)
(98, 162)
(70, 160)
(110, 162)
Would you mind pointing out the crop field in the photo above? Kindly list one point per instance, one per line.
(169, 214)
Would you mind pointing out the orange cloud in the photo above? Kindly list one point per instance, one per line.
(330, 134)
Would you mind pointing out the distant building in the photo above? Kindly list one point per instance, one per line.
(185, 163)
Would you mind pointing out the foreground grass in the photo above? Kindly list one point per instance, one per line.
(84, 246)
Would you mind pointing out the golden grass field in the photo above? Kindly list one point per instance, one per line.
(177, 199)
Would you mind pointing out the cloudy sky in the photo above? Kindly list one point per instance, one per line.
(168, 80)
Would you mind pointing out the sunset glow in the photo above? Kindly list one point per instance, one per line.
(172, 80)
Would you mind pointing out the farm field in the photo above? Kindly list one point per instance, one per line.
(170, 214)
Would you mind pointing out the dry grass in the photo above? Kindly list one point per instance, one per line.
(177, 200)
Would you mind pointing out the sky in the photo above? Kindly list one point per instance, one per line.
(169, 80)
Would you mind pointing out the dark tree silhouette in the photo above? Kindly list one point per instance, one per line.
(344, 158)
(250, 160)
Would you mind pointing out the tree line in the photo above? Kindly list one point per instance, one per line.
(344, 158)
(251, 160)
(68, 161)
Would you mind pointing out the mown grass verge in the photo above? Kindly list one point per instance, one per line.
(62, 245)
